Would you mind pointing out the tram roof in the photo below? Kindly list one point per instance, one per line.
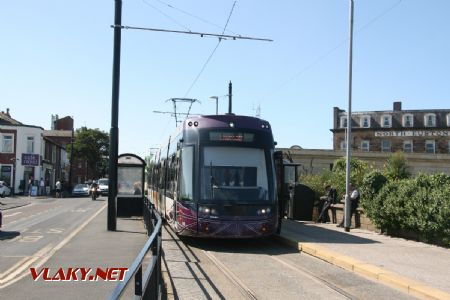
(221, 121)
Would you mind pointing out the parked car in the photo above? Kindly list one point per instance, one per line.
(103, 187)
(81, 189)
(4, 189)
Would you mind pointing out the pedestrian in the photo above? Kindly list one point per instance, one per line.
(30, 185)
(329, 198)
(58, 189)
(42, 187)
(354, 202)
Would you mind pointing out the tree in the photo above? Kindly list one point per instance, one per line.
(91, 145)
(395, 167)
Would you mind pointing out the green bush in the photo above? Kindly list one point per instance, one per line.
(372, 183)
(317, 182)
(420, 205)
(396, 167)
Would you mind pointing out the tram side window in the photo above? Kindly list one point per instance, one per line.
(172, 176)
(186, 174)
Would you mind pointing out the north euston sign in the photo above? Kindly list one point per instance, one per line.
(414, 133)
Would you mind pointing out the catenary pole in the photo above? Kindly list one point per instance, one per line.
(114, 132)
(347, 216)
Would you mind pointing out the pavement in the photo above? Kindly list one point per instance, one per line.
(416, 268)
(91, 246)
(16, 201)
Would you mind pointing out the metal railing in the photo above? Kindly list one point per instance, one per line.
(149, 286)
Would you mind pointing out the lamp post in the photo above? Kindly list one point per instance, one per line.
(217, 103)
(347, 213)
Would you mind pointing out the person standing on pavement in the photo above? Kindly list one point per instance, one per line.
(58, 189)
(30, 185)
(325, 202)
(354, 202)
(42, 187)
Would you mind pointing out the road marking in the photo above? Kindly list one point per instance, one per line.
(16, 269)
(13, 214)
(44, 254)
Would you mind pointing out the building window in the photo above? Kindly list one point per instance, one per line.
(6, 174)
(53, 153)
(408, 146)
(343, 145)
(7, 144)
(343, 122)
(365, 145)
(365, 122)
(408, 120)
(448, 120)
(386, 121)
(429, 146)
(430, 120)
(30, 144)
(385, 146)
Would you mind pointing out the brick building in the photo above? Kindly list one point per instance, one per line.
(410, 131)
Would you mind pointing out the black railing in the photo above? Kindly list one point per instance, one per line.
(149, 285)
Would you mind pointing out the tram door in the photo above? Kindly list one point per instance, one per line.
(287, 178)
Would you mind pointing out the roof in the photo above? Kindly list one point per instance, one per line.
(5, 119)
(58, 133)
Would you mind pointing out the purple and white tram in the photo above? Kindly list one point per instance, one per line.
(216, 178)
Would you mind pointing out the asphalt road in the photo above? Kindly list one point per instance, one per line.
(32, 233)
(259, 269)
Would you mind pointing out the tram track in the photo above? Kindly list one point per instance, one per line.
(239, 283)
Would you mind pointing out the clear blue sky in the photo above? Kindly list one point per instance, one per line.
(56, 58)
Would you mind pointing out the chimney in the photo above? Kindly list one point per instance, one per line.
(7, 112)
(398, 106)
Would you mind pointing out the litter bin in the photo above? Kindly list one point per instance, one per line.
(303, 203)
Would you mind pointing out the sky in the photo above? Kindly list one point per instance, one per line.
(56, 58)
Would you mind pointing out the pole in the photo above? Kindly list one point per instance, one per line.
(71, 161)
(114, 132)
(230, 95)
(217, 106)
(347, 218)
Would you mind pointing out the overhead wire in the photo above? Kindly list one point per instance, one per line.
(166, 15)
(212, 53)
(193, 16)
(329, 52)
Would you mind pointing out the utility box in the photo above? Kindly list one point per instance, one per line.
(130, 184)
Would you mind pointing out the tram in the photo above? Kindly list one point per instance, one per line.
(216, 178)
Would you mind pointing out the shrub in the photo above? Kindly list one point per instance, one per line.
(420, 205)
(396, 167)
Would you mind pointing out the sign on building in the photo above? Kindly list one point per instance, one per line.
(30, 159)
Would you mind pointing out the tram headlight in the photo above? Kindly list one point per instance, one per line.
(263, 211)
(204, 209)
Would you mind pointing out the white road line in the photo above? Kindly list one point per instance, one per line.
(44, 255)
(13, 214)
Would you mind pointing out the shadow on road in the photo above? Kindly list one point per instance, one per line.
(8, 235)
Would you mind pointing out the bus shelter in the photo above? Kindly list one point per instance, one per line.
(130, 185)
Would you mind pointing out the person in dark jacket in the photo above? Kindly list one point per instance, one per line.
(326, 201)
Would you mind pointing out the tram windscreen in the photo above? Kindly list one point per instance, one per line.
(234, 175)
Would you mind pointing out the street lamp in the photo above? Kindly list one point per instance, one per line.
(217, 103)
(347, 212)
